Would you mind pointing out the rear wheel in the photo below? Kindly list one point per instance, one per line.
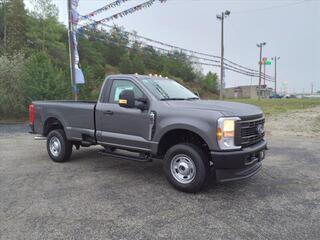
(58, 147)
(186, 167)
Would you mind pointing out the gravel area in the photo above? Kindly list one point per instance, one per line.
(96, 197)
(296, 123)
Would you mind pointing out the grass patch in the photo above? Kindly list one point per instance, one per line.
(275, 106)
(13, 120)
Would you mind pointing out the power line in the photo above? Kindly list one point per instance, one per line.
(244, 72)
(214, 63)
(174, 47)
(175, 2)
(233, 70)
(271, 7)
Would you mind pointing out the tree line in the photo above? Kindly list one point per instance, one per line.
(34, 60)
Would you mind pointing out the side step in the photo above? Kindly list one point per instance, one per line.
(86, 143)
(130, 157)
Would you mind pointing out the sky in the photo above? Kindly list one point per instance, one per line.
(291, 30)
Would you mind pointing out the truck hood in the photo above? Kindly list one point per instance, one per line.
(225, 108)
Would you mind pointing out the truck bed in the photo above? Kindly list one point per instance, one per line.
(78, 116)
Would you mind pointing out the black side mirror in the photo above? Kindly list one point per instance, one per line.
(126, 99)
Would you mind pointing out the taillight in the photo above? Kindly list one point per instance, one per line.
(31, 114)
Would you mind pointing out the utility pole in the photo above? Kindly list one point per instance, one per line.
(260, 45)
(71, 50)
(221, 18)
(275, 73)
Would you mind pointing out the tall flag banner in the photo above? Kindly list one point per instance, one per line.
(104, 8)
(78, 75)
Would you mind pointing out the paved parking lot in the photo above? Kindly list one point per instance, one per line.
(95, 197)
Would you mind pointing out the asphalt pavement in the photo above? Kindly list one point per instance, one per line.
(96, 197)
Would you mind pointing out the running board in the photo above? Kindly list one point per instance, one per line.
(86, 143)
(125, 157)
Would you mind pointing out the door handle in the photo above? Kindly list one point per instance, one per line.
(107, 112)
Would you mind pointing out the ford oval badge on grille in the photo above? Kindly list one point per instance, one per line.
(260, 129)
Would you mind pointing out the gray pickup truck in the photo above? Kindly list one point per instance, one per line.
(143, 118)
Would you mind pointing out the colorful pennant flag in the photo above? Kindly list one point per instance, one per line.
(104, 8)
(126, 12)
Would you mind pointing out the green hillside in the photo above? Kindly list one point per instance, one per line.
(34, 62)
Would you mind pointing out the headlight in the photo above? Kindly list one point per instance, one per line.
(226, 132)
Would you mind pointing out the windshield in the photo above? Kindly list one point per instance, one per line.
(167, 89)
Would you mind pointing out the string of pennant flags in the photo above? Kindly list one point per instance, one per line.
(121, 14)
(84, 24)
(103, 9)
(130, 10)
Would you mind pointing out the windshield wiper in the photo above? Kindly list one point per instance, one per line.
(166, 99)
(191, 98)
(160, 90)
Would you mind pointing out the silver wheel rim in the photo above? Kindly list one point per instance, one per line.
(183, 168)
(55, 146)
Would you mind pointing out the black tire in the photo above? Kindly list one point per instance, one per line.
(200, 162)
(65, 147)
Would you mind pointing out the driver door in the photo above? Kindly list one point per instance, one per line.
(119, 126)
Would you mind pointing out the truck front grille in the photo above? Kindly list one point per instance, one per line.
(249, 132)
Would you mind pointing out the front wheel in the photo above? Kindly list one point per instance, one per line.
(186, 167)
(58, 147)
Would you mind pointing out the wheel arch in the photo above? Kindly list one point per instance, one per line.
(50, 124)
(181, 135)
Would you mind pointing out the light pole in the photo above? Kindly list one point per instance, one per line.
(221, 17)
(275, 73)
(260, 45)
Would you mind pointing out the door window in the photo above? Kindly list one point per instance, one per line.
(119, 85)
